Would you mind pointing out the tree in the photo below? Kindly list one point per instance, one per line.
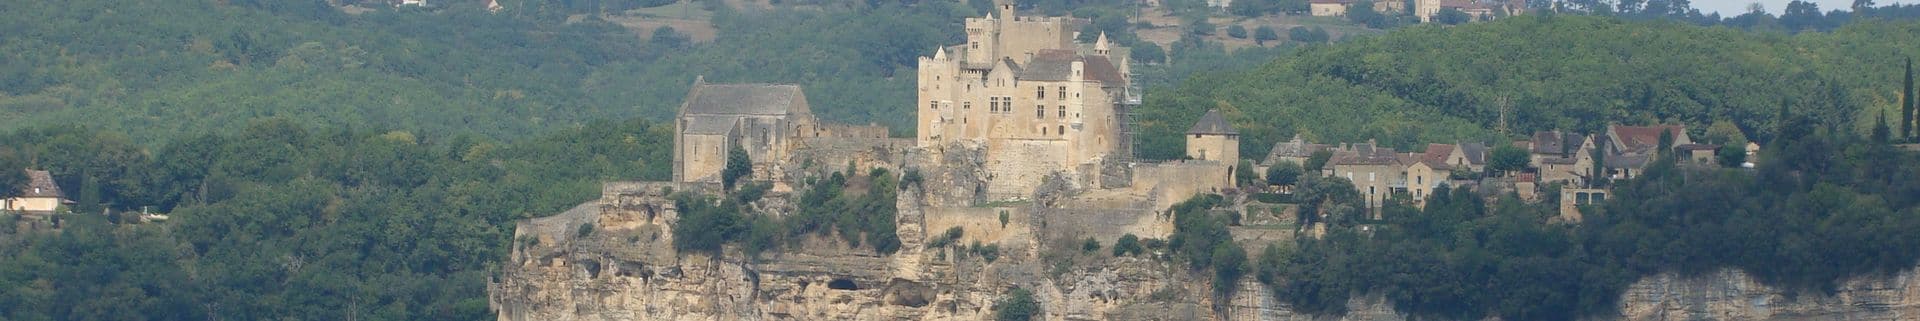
(1452, 16)
(1263, 34)
(738, 166)
(1245, 173)
(666, 37)
(1880, 131)
(1318, 160)
(1284, 173)
(1128, 244)
(1149, 53)
(1666, 143)
(1801, 15)
(1362, 13)
(1018, 305)
(1237, 32)
(13, 175)
(1907, 103)
(1506, 158)
(1731, 156)
(1300, 34)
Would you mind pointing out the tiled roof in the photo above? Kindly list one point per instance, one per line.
(40, 184)
(1439, 152)
(1212, 124)
(1640, 139)
(710, 125)
(742, 99)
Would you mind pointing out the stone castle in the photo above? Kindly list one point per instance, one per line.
(1033, 98)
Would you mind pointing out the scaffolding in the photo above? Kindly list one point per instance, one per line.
(1130, 98)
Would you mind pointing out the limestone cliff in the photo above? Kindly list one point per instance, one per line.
(627, 270)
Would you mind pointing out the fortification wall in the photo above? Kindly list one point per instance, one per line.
(822, 156)
(1175, 181)
(1017, 167)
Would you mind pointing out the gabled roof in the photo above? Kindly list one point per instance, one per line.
(743, 99)
(1640, 139)
(1438, 152)
(1297, 148)
(1365, 154)
(1212, 124)
(1554, 142)
(40, 184)
(1476, 152)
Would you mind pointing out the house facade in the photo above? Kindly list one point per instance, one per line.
(40, 196)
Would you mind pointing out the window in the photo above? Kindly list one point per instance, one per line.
(1040, 112)
(1043, 130)
(1369, 177)
(1419, 180)
(1060, 130)
(993, 103)
(1063, 111)
(1063, 92)
(967, 105)
(1040, 92)
(933, 105)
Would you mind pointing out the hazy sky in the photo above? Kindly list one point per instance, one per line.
(1737, 7)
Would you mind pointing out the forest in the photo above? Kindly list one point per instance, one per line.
(1490, 81)
(325, 165)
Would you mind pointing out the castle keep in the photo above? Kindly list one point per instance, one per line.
(1023, 90)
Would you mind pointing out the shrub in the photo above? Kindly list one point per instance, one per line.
(585, 230)
(1018, 305)
(1237, 31)
(1090, 245)
(1128, 244)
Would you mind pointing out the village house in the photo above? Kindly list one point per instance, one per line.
(1702, 154)
(1335, 8)
(1630, 148)
(40, 196)
(1375, 171)
(1296, 151)
(1559, 157)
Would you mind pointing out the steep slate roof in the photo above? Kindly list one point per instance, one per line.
(40, 184)
(1627, 161)
(1640, 139)
(1365, 154)
(710, 125)
(1552, 142)
(742, 99)
(1294, 148)
(1057, 65)
(1476, 152)
(1212, 124)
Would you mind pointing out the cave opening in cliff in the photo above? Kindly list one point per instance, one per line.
(842, 284)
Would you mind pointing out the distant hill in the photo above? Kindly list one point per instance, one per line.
(1439, 84)
(161, 69)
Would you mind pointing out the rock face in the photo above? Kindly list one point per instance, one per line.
(626, 270)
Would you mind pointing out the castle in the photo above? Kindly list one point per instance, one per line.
(1033, 98)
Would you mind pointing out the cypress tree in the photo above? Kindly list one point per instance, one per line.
(1880, 130)
(1906, 103)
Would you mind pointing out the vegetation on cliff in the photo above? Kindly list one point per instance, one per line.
(278, 220)
(1824, 205)
(826, 207)
(1539, 72)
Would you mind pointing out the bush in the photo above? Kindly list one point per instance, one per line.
(585, 230)
(1263, 34)
(1018, 305)
(1090, 245)
(1237, 32)
(945, 239)
(1128, 244)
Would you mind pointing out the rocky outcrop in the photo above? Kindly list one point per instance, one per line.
(627, 270)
